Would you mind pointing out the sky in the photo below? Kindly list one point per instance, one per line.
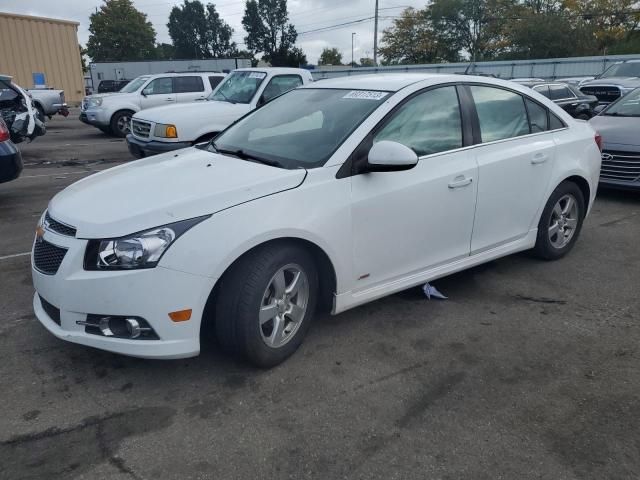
(306, 15)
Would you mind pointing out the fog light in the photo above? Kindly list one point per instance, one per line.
(133, 327)
(130, 328)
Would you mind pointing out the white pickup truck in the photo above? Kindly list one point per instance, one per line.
(49, 102)
(164, 129)
(111, 112)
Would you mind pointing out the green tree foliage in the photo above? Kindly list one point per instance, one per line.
(330, 56)
(367, 62)
(269, 33)
(119, 32)
(411, 39)
(198, 31)
(165, 51)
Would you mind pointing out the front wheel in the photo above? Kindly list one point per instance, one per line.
(120, 123)
(561, 222)
(266, 303)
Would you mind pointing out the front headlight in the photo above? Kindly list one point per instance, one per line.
(140, 250)
(165, 131)
(94, 102)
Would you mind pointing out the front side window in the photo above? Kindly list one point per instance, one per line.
(627, 106)
(239, 87)
(630, 69)
(501, 113)
(302, 128)
(159, 86)
(188, 84)
(134, 85)
(279, 85)
(428, 123)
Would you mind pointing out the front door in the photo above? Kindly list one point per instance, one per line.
(406, 222)
(157, 93)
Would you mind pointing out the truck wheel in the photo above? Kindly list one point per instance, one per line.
(120, 122)
(266, 303)
(40, 113)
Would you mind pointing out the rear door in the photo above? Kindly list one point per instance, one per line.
(189, 88)
(515, 160)
(158, 92)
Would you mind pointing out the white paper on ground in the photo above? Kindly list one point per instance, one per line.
(432, 292)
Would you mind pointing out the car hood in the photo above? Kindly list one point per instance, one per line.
(629, 82)
(164, 189)
(196, 112)
(617, 130)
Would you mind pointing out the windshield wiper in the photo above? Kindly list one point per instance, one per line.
(241, 154)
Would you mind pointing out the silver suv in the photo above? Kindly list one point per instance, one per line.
(111, 112)
(616, 81)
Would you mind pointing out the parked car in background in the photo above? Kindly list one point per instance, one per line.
(332, 195)
(618, 80)
(570, 98)
(178, 126)
(49, 102)
(112, 112)
(527, 80)
(18, 112)
(10, 158)
(575, 81)
(108, 86)
(619, 125)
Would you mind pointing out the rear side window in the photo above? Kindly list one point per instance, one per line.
(188, 84)
(537, 116)
(555, 123)
(559, 92)
(214, 82)
(542, 90)
(501, 113)
(428, 123)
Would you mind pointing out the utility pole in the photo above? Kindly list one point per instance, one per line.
(375, 38)
(352, 37)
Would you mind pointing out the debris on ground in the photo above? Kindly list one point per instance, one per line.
(432, 292)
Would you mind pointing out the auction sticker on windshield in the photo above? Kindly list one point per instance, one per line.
(366, 95)
(259, 75)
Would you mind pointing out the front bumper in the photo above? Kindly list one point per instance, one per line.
(140, 149)
(10, 162)
(149, 294)
(619, 184)
(96, 117)
(61, 109)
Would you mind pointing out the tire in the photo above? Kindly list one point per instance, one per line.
(41, 115)
(254, 285)
(566, 220)
(120, 123)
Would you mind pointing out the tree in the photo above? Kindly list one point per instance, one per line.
(119, 32)
(165, 51)
(83, 61)
(330, 56)
(367, 62)
(270, 34)
(411, 39)
(199, 32)
(473, 26)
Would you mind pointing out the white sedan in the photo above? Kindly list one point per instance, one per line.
(330, 196)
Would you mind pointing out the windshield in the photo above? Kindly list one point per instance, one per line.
(627, 106)
(134, 85)
(300, 129)
(631, 69)
(239, 87)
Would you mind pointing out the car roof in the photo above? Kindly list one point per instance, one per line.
(390, 82)
(283, 70)
(6, 78)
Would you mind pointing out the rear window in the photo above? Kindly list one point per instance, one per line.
(188, 84)
(559, 92)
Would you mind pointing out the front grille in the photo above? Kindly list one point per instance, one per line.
(140, 128)
(47, 257)
(605, 94)
(53, 312)
(620, 166)
(58, 227)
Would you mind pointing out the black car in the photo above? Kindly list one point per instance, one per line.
(572, 100)
(109, 86)
(10, 158)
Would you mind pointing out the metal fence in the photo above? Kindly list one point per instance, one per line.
(549, 69)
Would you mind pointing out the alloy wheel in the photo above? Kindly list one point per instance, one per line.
(564, 221)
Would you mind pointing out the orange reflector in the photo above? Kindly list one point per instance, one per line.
(181, 316)
(39, 232)
(172, 131)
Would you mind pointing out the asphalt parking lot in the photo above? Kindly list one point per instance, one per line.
(529, 370)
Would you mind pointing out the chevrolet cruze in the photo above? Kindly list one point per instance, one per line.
(329, 196)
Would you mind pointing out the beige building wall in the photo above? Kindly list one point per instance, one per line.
(46, 45)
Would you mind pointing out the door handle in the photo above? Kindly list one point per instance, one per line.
(460, 182)
(539, 158)
(169, 100)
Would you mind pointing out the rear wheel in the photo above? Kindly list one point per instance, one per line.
(120, 122)
(561, 222)
(266, 303)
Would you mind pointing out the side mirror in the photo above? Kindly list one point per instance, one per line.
(599, 108)
(386, 156)
(143, 93)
